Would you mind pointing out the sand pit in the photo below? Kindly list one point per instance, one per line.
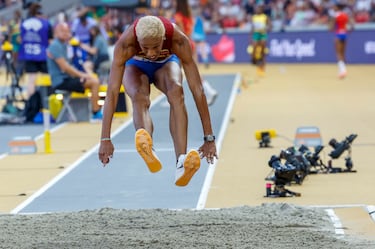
(265, 226)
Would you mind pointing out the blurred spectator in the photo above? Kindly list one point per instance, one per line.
(277, 16)
(322, 14)
(250, 7)
(98, 51)
(66, 77)
(230, 15)
(116, 33)
(199, 37)
(81, 26)
(290, 8)
(372, 12)
(340, 23)
(7, 3)
(261, 25)
(185, 20)
(15, 39)
(36, 32)
(362, 11)
(304, 14)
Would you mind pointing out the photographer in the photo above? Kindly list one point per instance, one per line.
(36, 32)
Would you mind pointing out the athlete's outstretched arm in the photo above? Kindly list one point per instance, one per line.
(181, 47)
(124, 50)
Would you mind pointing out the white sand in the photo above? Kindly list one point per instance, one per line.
(266, 226)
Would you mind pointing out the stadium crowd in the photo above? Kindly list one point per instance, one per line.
(228, 14)
(232, 15)
(7, 3)
(236, 14)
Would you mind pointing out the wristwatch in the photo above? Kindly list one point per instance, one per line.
(209, 138)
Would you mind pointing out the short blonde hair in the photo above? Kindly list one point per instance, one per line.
(149, 27)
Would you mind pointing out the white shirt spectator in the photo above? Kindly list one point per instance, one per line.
(363, 5)
(304, 15)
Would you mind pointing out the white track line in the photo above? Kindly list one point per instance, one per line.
(3, 155)
(371, 211)
(211, 169)
(53, 181)
(337, 206)
(72, 166)
(336, 221)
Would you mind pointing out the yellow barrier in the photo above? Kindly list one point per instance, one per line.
(47, 132)
(55, 104)
(43, 80)
(121, 109)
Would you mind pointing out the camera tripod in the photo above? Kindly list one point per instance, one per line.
(280, 191)
(15, 95)
(348, 169)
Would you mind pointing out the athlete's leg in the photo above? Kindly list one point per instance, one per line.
(31, 78)
(168, 79)
(253, 55)
(340, 45)
(340, 53)
(137, 88)
(93, 84)
(262, 63)
(342, 50)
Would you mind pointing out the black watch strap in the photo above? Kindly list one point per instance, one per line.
(209, 138)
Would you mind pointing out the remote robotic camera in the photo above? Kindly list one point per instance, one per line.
(339, 148)
(284, 174)
(313, 157)
(298, 160)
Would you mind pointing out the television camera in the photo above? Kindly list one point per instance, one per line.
(338, 149)
(299, 161)
(303, 160)
(313, 158)
(284, 174)
(297, 165)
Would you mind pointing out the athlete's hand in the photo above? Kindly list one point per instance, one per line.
(106, 150)
(208, 151)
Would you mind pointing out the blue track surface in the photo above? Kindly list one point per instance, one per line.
(126, 183)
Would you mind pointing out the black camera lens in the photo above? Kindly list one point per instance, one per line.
(303, 148)
(333, 142)
(351, 138)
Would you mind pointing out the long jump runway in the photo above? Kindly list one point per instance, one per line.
(126, 183)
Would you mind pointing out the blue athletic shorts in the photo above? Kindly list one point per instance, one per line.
(341, 37)
(150, 67)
